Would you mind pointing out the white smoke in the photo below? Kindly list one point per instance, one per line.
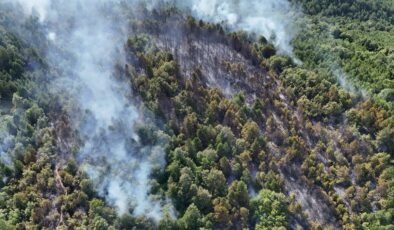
(90, 35)
(35, 7)
(274, 19)
(7, 141)
(341, 78)
(333, 62)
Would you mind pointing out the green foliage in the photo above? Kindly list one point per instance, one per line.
(238, 194)
(11, 64)
(385, 139)
(356, 36)
(191, 219)
(279, 63)
(360, 9)
(269, 210)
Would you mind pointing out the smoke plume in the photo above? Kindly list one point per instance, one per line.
(274, 19)
(86, 43)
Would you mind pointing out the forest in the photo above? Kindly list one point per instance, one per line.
(218, 128)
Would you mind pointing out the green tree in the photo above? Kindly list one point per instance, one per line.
(191, 219)
(385, 139)
(269, 210)
(238, 194)
(99, 223)
(250, 131)
(215, 182)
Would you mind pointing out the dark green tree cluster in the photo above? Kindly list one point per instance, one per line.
(355, 9)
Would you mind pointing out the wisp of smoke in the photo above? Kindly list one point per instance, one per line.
(90, 33)
(341, 78)
(6, 143)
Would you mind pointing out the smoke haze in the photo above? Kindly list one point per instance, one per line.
(35, 7)
(274, 19)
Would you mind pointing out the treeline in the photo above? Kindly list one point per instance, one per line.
(355, 9)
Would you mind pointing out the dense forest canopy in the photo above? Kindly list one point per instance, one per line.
(185, 122)
(358, 9)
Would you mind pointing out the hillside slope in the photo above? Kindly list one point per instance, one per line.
(251, 138)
